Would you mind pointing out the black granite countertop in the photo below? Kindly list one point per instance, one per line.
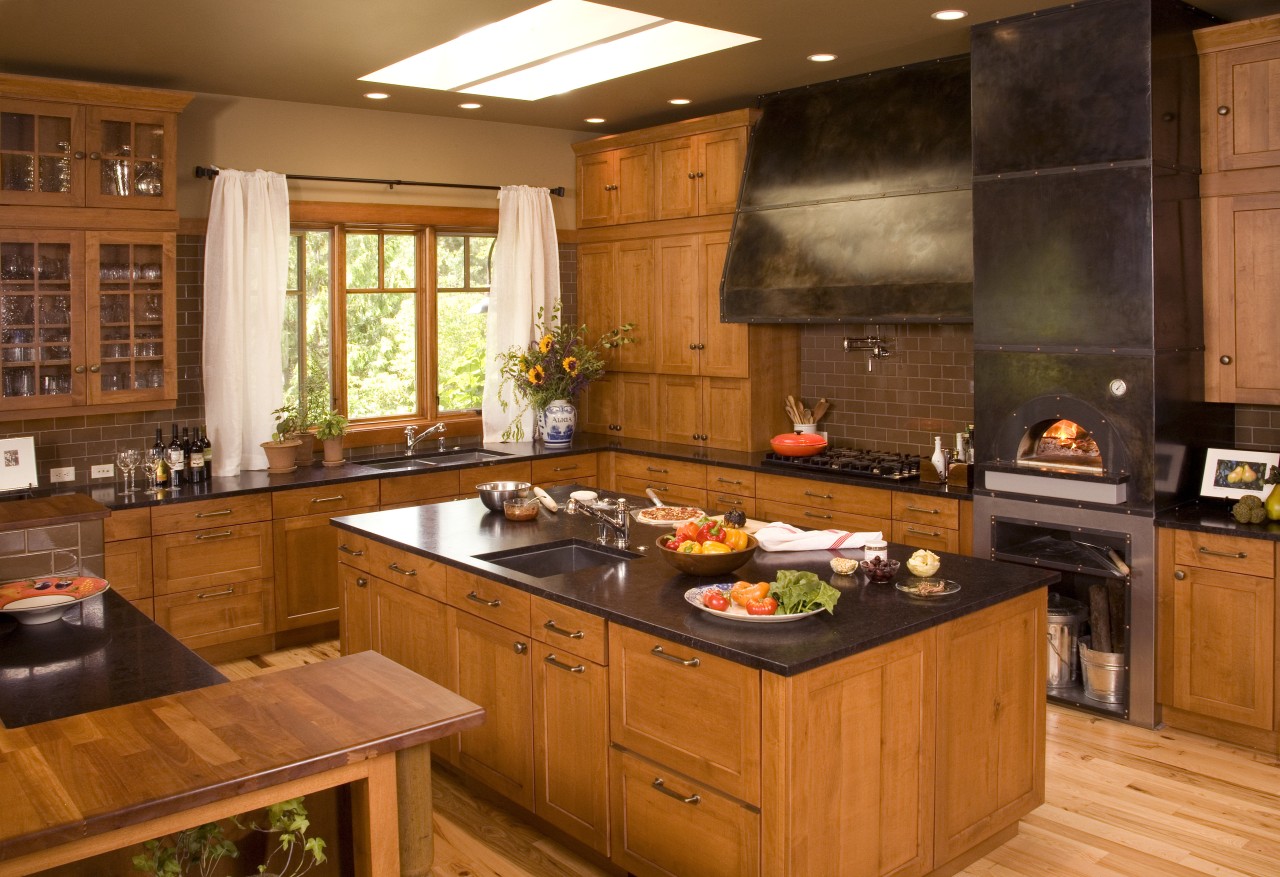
(102, 653)
(1214, 516)
(315, 474)
(647, 594)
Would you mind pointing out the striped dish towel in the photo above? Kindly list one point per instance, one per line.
(778, 536)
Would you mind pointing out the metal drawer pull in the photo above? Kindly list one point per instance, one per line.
(688, 662)
(395, 567)
(685, 799)
(933, 533)
(728, 481)
(216, 514)
(728, 500)
(319, 499)
(476, 598)
(362, 582)
(816, 515)
(818, 495)
(221, 534)
(574, 668)
(916, 508)
(656, 469)
(564, 468)
(657, 487)
(352, 551)
(1238, 555)
(215, 594)
(555, 628)
(520, 648)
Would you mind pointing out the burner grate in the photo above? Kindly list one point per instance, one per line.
(854, 462)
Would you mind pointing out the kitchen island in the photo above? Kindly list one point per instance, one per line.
(895, 736)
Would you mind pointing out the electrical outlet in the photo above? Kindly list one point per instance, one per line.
(66, 473)
(106, 470)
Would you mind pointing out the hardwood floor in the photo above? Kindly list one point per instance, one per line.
(1120, 802)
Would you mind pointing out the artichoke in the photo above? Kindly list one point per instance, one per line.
(735, 518)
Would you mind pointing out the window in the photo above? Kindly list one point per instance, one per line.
(387, 324)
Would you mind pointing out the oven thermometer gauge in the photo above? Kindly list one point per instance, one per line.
(1118, 387)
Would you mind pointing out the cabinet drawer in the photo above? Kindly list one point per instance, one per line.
(819, 518)
(128, 567)
(678, 706)
(926, 536)
(654, 469)
(669, 493)
(399, 567)
(210, 513)
(581, 466)
(127, 524)
(721, 502)
(209, 616)
(469, 478)
(845, 498)
(415, 488)
(564, 627)
(329, 499)
(1240, 554)
(490, 600)
(206, 558)
(934, 511)
(668, 824)
(723, 480)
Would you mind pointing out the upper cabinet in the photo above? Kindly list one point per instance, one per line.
(1240, 95)
(615, 186)
(700, 175)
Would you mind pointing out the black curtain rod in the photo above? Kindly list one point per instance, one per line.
(212, 172)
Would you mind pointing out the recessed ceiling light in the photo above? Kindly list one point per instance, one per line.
(376, 95)
(949, 14)
(595, 120)
(470, 106)
(679, 101)
(553, 48)
(822, 57)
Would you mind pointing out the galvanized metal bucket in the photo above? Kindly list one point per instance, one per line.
(1105, 677)
(1066, 620)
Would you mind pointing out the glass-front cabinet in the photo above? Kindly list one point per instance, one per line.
(86, 318)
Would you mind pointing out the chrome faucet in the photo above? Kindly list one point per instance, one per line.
(411, 436)
(613, 516)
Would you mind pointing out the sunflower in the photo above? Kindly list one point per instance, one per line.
(545, 344)
(571, 364)
(536, 375)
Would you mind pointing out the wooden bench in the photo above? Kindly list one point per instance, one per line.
(87, 784)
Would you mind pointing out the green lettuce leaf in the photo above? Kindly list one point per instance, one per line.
(798, 591)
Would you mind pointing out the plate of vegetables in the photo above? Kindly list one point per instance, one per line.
(793, 595)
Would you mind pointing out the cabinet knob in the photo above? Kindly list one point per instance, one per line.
(79, 156)
(1179, 575)
(95, 368)
(692, 175)
(520, 648)
(95, 156)
(79, 369)
(701, 174)
(1222, 111)
(362, 582)
(701, 346)
(1224, 359)
(692, 346)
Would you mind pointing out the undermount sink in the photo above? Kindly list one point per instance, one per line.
(557, 558)
(434, 461)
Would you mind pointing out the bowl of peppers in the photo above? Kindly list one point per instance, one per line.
(707, 547)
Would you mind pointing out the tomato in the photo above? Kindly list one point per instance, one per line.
(689, 548)
(735, 539)
(687, 532)
(743, 593)
(715, 548)
(716, 600)
(767, 606)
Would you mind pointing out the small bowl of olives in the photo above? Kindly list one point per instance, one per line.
(879, 569)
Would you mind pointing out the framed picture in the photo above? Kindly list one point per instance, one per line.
(17, 463)
(1233, 474)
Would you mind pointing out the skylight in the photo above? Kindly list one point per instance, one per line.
(553, 48)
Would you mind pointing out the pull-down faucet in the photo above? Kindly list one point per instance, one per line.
(614, 520)
(411, 437)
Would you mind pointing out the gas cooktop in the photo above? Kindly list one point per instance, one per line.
(853, 462)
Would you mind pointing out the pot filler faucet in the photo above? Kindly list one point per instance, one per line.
(613, 516)
(411, 431)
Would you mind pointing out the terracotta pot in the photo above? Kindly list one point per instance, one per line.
(306, 449)
(797, 444)
(282, 456)
(333, 451)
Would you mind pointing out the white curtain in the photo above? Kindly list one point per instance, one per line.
(526, 276)
(245, 272)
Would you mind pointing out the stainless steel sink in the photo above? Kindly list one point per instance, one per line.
(435, 461)
(557, 558)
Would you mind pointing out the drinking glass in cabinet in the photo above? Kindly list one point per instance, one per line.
(117, 138)
(55, 173)
(19, 354)
(147, 179)
(115, 177)
(55, 310)
(17, 172)
(53, 268)
(16, 262)
(17, 336)
(115, 351)
(55, 353)
(147, 348)
(115, 309)
(56, 384)
(17, 310)
(19, 382)
(153, 305)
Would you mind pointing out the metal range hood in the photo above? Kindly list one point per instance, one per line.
(856, 203)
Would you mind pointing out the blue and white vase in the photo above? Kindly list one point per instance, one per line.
(558, 421)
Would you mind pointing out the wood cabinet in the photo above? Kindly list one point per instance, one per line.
(691, 338)
(676, 482)
(212, 615)
(1239, 93)
(622, 403)
(127, 556)
(823, 505)
(731, 489)
(1217, 635)
(700, 174)
(577, 469)
(616, 283)
(930, 522)
(615, 186)
(710, 411)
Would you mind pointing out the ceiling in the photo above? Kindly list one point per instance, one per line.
(313, 51)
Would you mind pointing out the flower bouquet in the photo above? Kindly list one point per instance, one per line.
(558, 365)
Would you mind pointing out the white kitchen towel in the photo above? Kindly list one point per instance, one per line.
(778, 536)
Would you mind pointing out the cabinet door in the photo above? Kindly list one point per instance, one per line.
(493, 670)
(634, 190)
(128, 567)
(677, 178)
(571, 744)
(600, 405)
(597, 174)
(1224, 645)
(132, 158)
(42, 319)
(413, 631)
(726, 413)
(598, 292)
(634, 303)
(222, 614)
(679, 299)
(637, 402)
(306, 575)
(724, 351)
(209, 558)
(990, 763)
(1247, 87)
(721, 156)
(41, 153)
(1242, 273)
(357, 606)
(680, 409)
(926, 536)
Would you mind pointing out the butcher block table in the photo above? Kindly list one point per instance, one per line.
(86, 784)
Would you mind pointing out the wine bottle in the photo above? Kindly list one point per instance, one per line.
(162, 472)
(175, 460)
(185, 444)
(157, 450)
(207, 449)
(195, 459)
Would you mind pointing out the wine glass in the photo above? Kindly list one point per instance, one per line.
(128, 460)
(153, 478)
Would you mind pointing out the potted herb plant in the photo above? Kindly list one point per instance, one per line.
(331, 426)
(282, 449)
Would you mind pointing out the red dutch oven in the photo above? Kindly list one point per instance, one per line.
(797, 444)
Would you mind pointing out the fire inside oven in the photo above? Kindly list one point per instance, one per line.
(1060, 444)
